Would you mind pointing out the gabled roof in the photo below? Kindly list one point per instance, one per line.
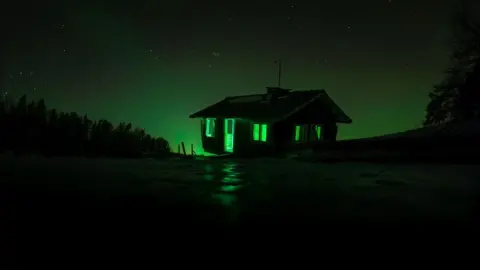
(259, 106)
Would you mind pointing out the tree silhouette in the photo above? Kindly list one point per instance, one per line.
(29, 128)
(457, 97)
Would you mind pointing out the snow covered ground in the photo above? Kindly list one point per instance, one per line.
(260, 191)
(453, 142)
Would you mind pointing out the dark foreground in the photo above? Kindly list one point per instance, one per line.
(75, 196)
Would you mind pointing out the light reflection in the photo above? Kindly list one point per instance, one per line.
(209, 173)
(227, 193)
(230, 185)
(226, 183)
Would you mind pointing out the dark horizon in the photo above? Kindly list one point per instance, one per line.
(154, 64)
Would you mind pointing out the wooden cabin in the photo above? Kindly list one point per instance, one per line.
(279, 120)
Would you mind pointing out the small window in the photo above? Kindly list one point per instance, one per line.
(210, 127)
(318, 131)
(256, 132)
(263, 133)
(298, 132)
(229, 124)
(302, 133)
(260, 132)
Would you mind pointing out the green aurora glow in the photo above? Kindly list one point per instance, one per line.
(153, 66)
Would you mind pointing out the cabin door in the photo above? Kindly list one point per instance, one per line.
(229, 134)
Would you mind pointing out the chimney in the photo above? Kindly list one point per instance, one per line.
(273, 93)
(277, 91)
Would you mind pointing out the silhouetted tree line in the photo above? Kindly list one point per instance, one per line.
(29, 128)
(457, 97)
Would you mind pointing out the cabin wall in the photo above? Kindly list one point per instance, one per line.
(285, 132)
(280, 137)
(313, 113)
(329, 132)
(241, 137)
(214, 145)
(244, 143)
(308, 134)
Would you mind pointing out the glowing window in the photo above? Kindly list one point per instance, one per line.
(256, 132)
(318, 130)
(229, 134)
(263, 133)
(260, 132)
(297, 133)
(210, 127)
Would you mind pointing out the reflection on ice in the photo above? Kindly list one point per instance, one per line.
(247, 189)
(230, 184)
(209, 172)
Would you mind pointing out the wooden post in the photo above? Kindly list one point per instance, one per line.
(279, 73)
(178, 150)
(193, 151)
(183, 148)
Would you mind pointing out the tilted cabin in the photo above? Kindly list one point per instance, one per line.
(277, 121)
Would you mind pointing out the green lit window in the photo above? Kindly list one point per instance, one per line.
(298, 130)
(256, 132)
(210, 127)
(318, 130)
(260, 132)
(263, 132)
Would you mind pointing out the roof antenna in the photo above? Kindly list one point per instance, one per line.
(279, 62)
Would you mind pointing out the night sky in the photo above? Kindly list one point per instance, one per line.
(153, 63)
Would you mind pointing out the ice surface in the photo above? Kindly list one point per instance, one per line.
(277, 190)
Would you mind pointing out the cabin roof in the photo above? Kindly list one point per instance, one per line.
(259, 106)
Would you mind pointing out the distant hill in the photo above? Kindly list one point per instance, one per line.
(450, 142)
(468, 129)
